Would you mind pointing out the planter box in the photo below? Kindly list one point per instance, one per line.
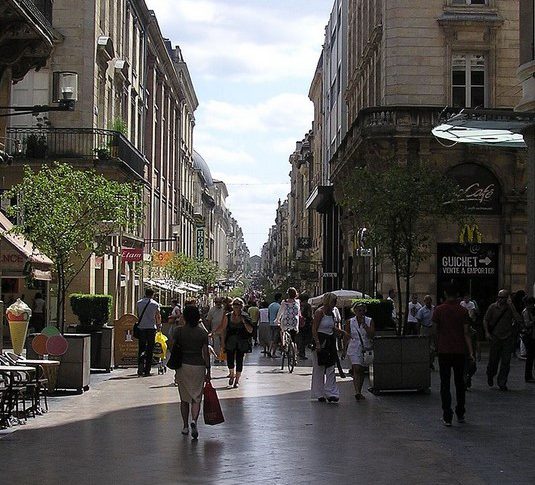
(74, 370)
(400, 363)
(102, 349)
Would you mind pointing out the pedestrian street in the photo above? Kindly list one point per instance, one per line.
(126, 430)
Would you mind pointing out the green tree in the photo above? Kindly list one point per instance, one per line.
(206, 273)
(401, 207)
(70, 214)
(180, 268)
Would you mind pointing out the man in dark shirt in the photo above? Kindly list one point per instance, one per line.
(453, 340)
(498, 322)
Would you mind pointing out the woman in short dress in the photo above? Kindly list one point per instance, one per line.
(359, 331)
(192, 340)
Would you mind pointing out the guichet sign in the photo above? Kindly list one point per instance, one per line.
(467, 260)
(132, 255)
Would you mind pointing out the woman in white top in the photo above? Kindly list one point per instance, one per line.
(264, 331)
(324, 386)
(359, 334)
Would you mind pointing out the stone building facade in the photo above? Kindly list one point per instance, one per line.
(406, 63)
(133, 121)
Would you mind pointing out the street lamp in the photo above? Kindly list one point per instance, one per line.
(64, 93)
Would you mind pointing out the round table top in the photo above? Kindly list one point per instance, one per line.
(38, 362)
(15, 368)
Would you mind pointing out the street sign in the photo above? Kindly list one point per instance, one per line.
(365, 252)
(330, 275)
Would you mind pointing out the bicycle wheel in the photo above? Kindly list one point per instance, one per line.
(284, 354)
(291, 357)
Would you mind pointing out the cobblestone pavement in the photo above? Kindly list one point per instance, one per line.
(126, 430)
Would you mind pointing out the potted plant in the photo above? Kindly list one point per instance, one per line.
(36, 146)
(102, 153)
(93, 312)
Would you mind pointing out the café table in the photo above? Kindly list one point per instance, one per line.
(50, 370)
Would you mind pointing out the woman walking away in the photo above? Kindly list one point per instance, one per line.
(360, 330)
(192, 340)
(238, 329)
(324, 386)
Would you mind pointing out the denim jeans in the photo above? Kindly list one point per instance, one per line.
(447, 362)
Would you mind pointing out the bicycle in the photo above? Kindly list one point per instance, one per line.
(289, 353)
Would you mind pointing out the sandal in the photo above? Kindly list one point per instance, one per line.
(231, 380)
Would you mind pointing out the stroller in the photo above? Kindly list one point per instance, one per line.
(160, 352)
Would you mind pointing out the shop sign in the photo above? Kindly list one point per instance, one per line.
(98, 262)
(132, 255)
(200, 242)
(162, 258)
(467, 260)
(12, 259)
(480, 189)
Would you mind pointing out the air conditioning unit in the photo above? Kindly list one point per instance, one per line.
(197, 210)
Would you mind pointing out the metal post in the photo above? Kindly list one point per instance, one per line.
(529, 137)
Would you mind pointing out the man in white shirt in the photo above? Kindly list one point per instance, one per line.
(412, 321)
(148, 311)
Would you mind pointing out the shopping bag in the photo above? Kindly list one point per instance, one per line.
(212, 409)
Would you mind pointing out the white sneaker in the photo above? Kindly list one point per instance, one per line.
(185, 431)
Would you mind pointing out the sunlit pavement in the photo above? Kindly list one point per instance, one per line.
(127, 430)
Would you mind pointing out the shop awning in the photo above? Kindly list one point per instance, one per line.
(487, 127)
(164, 285)
(23, 246)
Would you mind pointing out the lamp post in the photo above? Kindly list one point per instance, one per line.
(64, 93)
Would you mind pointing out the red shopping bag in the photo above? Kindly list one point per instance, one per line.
(212, 409)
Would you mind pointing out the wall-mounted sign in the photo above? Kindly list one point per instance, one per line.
(199, 235)
(481, 190)
(467, 260)
(132, 255)
(304, 243)
(161, 258)
(330, 275)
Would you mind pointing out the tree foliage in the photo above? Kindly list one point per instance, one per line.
(401, 207)
(69, 214)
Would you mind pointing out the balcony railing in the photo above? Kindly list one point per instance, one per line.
(74, 144)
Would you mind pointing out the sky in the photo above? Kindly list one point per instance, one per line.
(251, 63)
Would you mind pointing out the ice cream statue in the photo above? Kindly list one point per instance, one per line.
(18, 316)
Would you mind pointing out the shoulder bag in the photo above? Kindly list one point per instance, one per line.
(135, 330)
(493, 325)
(367, 353)
(175, 359)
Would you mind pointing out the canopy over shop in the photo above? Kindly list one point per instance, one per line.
(24, 271)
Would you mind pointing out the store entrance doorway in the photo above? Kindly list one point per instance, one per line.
(472, 268)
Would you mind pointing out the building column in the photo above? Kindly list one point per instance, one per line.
(529, 137)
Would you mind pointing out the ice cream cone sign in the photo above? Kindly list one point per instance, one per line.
(18, 316)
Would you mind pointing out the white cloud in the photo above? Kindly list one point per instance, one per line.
(243, 40)
(283, 113)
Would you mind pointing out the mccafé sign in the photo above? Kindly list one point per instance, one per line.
(480, 189)
(132, 255)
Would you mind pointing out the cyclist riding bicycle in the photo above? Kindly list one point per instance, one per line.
(288, 316)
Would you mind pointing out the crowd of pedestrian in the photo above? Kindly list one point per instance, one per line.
(455, 329)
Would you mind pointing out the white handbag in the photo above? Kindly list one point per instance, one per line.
(367, 354)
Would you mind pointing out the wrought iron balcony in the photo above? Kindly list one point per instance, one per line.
(74, 144)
